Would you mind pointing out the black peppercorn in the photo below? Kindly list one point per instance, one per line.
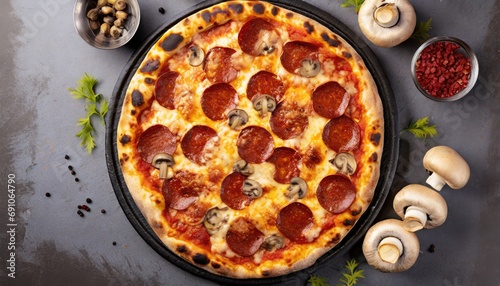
(80, 213)
(161, 10)
(77, 180)
(88, 200)
(66, 157)
(103, 211)
(70, 168)
(47, 195)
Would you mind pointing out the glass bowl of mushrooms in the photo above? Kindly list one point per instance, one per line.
(444, 68)
(106, 24)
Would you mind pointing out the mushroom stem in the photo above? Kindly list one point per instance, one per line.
(390, 249)
(163, 170)
(436, 181)
(386, 15)
(236, 122)
(415, 219)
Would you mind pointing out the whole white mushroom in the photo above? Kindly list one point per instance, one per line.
(387, 23)
(388, 247)
(447, 167)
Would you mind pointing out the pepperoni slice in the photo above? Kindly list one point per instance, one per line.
(243, 237)
(165, 89)
(286, 162)
(265, 82)
(293, 220)
(336, 193)
(296, 52)
(257, 37)
(155, 140)
(330, 100)
(341, 134)
(181, 191)
(196, 140)
(218, 66)
(288, 121)
(231, 191)
(217, 100)
(255, 144)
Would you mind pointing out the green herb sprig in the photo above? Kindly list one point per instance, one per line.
(356, 4)
(350, 278)
(421, 128)
(317, 281)
(95, 105)
(420, 34)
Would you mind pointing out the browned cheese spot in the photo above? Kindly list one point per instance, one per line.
(137, 98)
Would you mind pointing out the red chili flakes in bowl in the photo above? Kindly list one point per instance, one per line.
(442, 70)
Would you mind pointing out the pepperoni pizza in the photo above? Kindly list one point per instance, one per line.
(250, 138)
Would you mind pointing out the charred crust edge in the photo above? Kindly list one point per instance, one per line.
(201, 259)
(258, 8)
(150, 66)
(236, 8)
(125, 139)
(182, 249)
(275, 11)
(375, 138)
(172, 41)
(331, 41)
(309, 28)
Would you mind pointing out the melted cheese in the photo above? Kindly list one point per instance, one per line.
(221, 153)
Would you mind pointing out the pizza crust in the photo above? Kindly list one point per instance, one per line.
(140, 111)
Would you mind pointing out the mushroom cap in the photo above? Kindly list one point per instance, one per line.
(162, 158)
(387, 37)
(424, 198)
(449, 165)
(390, 228)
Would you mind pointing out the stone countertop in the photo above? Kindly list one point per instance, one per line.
(42, 56)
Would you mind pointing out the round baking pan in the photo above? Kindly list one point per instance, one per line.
(388, 163)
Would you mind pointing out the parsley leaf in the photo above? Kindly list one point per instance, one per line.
(356, 4)
(351, 277)
(421, 128)
(420, 33)
(96, 105)
(317, 281)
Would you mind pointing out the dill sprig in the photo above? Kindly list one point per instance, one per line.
(356, 4)
(421, 128)
(95, 105)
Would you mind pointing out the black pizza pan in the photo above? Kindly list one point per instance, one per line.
(388, 163)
